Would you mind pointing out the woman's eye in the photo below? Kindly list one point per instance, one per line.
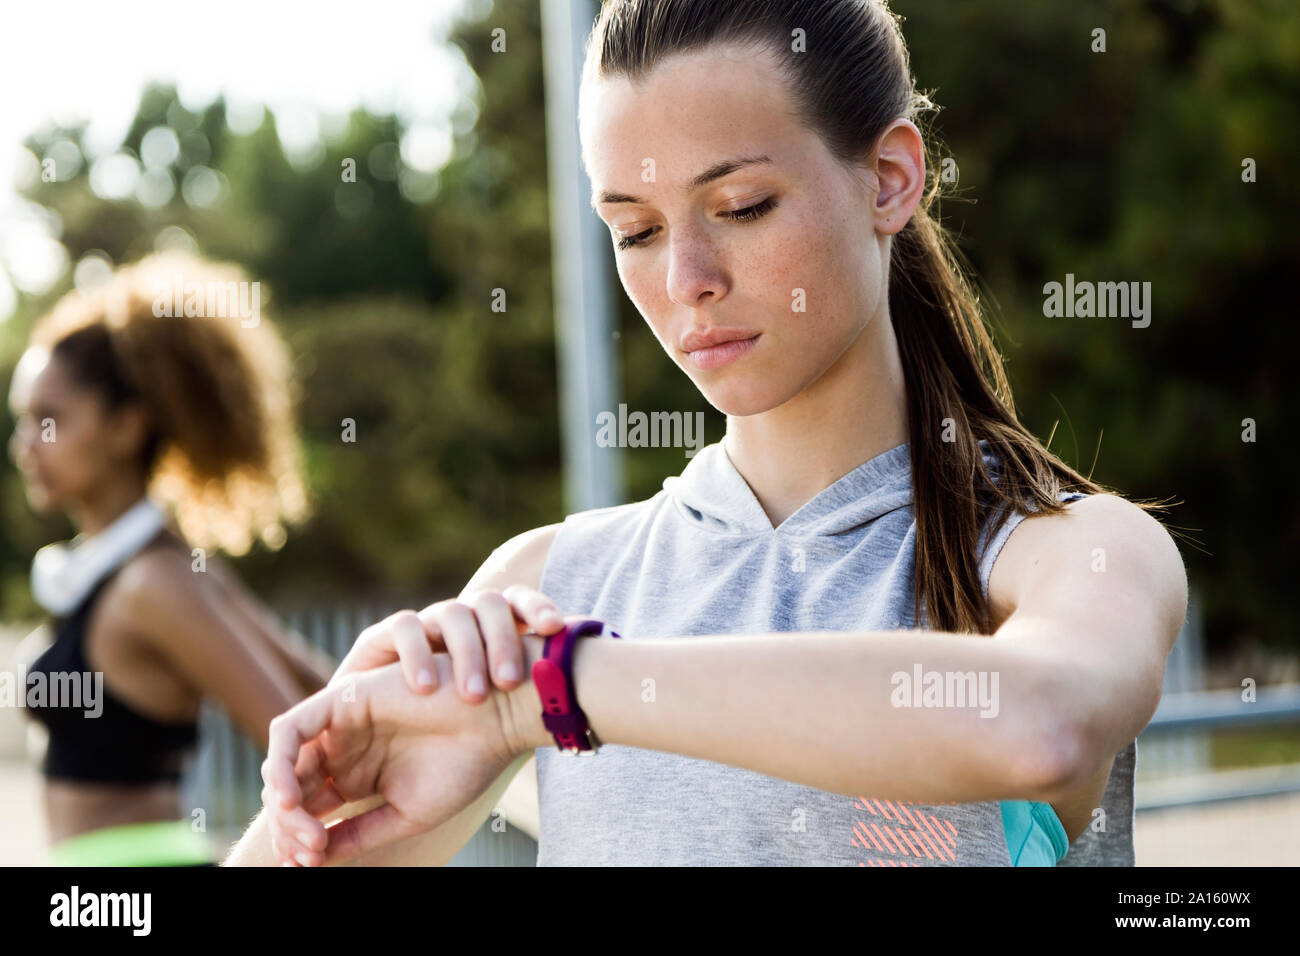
(748, 214)
(627, 242)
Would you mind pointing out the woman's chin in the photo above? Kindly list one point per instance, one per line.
(741, 399)
(42, 501)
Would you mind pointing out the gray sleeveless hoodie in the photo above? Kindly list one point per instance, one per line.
(701, 557)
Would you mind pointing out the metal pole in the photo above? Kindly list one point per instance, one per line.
(589, 374)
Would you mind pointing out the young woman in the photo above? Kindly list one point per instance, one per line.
(124, 411)
(797, 607)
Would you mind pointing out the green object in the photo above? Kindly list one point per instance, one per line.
(161, 843)
(1034, 833)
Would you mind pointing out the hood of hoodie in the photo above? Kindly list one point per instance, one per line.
(711, 492)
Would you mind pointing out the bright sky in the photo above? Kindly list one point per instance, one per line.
(307, 62)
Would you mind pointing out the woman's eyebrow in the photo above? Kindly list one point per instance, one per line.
(716, 171)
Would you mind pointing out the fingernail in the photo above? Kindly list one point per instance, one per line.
(424, 678)
(287, 863)
(508, 671)
(305, 839)
(552, 617)
(303, 859)
(475, 684)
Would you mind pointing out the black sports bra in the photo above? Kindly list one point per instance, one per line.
(93, 735)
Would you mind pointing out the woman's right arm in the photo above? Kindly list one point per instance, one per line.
(518, 561)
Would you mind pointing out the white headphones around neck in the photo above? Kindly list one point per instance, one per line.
(65, 572)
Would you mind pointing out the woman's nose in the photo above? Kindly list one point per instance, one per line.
(20, 442)
(695, 274)
(14, 446)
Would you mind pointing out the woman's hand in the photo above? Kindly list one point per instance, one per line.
(481, 630)
(367, 735)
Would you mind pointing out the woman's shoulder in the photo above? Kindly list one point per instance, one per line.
(519, 560)
(1091, 534)
(164, 574)
(165, 561)
(154, 585)
(522, 559)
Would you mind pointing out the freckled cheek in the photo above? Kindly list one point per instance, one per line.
(646, 290)
(648, 293)
(803, 277)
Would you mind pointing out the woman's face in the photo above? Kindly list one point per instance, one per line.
(794, 281)
(66, 443)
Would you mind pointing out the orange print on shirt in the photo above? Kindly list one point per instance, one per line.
(904, 833)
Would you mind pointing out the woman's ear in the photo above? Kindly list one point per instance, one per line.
(129, 426)
(900, 172)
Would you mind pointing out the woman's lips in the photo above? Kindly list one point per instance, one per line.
(717, 355)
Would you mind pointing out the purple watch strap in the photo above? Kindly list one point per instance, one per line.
(553, 678)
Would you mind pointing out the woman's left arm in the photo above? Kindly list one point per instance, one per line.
(1091, 600)
(311, 667)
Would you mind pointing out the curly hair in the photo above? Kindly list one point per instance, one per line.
(169, 333)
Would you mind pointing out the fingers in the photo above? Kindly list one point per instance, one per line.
(378, 645)
(342, 842)
(296, 837)
(355, 836)
(369, 650)
(410, 640)
(500, 635)
(481, 632)
(465, 644)
(320, 797)
(288, 732)
(534, 609)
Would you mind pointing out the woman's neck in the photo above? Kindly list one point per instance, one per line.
(854, 412)
(109, 503)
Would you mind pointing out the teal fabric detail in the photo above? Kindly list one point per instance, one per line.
(1034, 834)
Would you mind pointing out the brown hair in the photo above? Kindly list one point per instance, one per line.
(853, 80)
(222, 450)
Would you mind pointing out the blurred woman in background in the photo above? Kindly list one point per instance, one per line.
(163, 437)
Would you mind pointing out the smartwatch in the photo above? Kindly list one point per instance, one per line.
(553, 678)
